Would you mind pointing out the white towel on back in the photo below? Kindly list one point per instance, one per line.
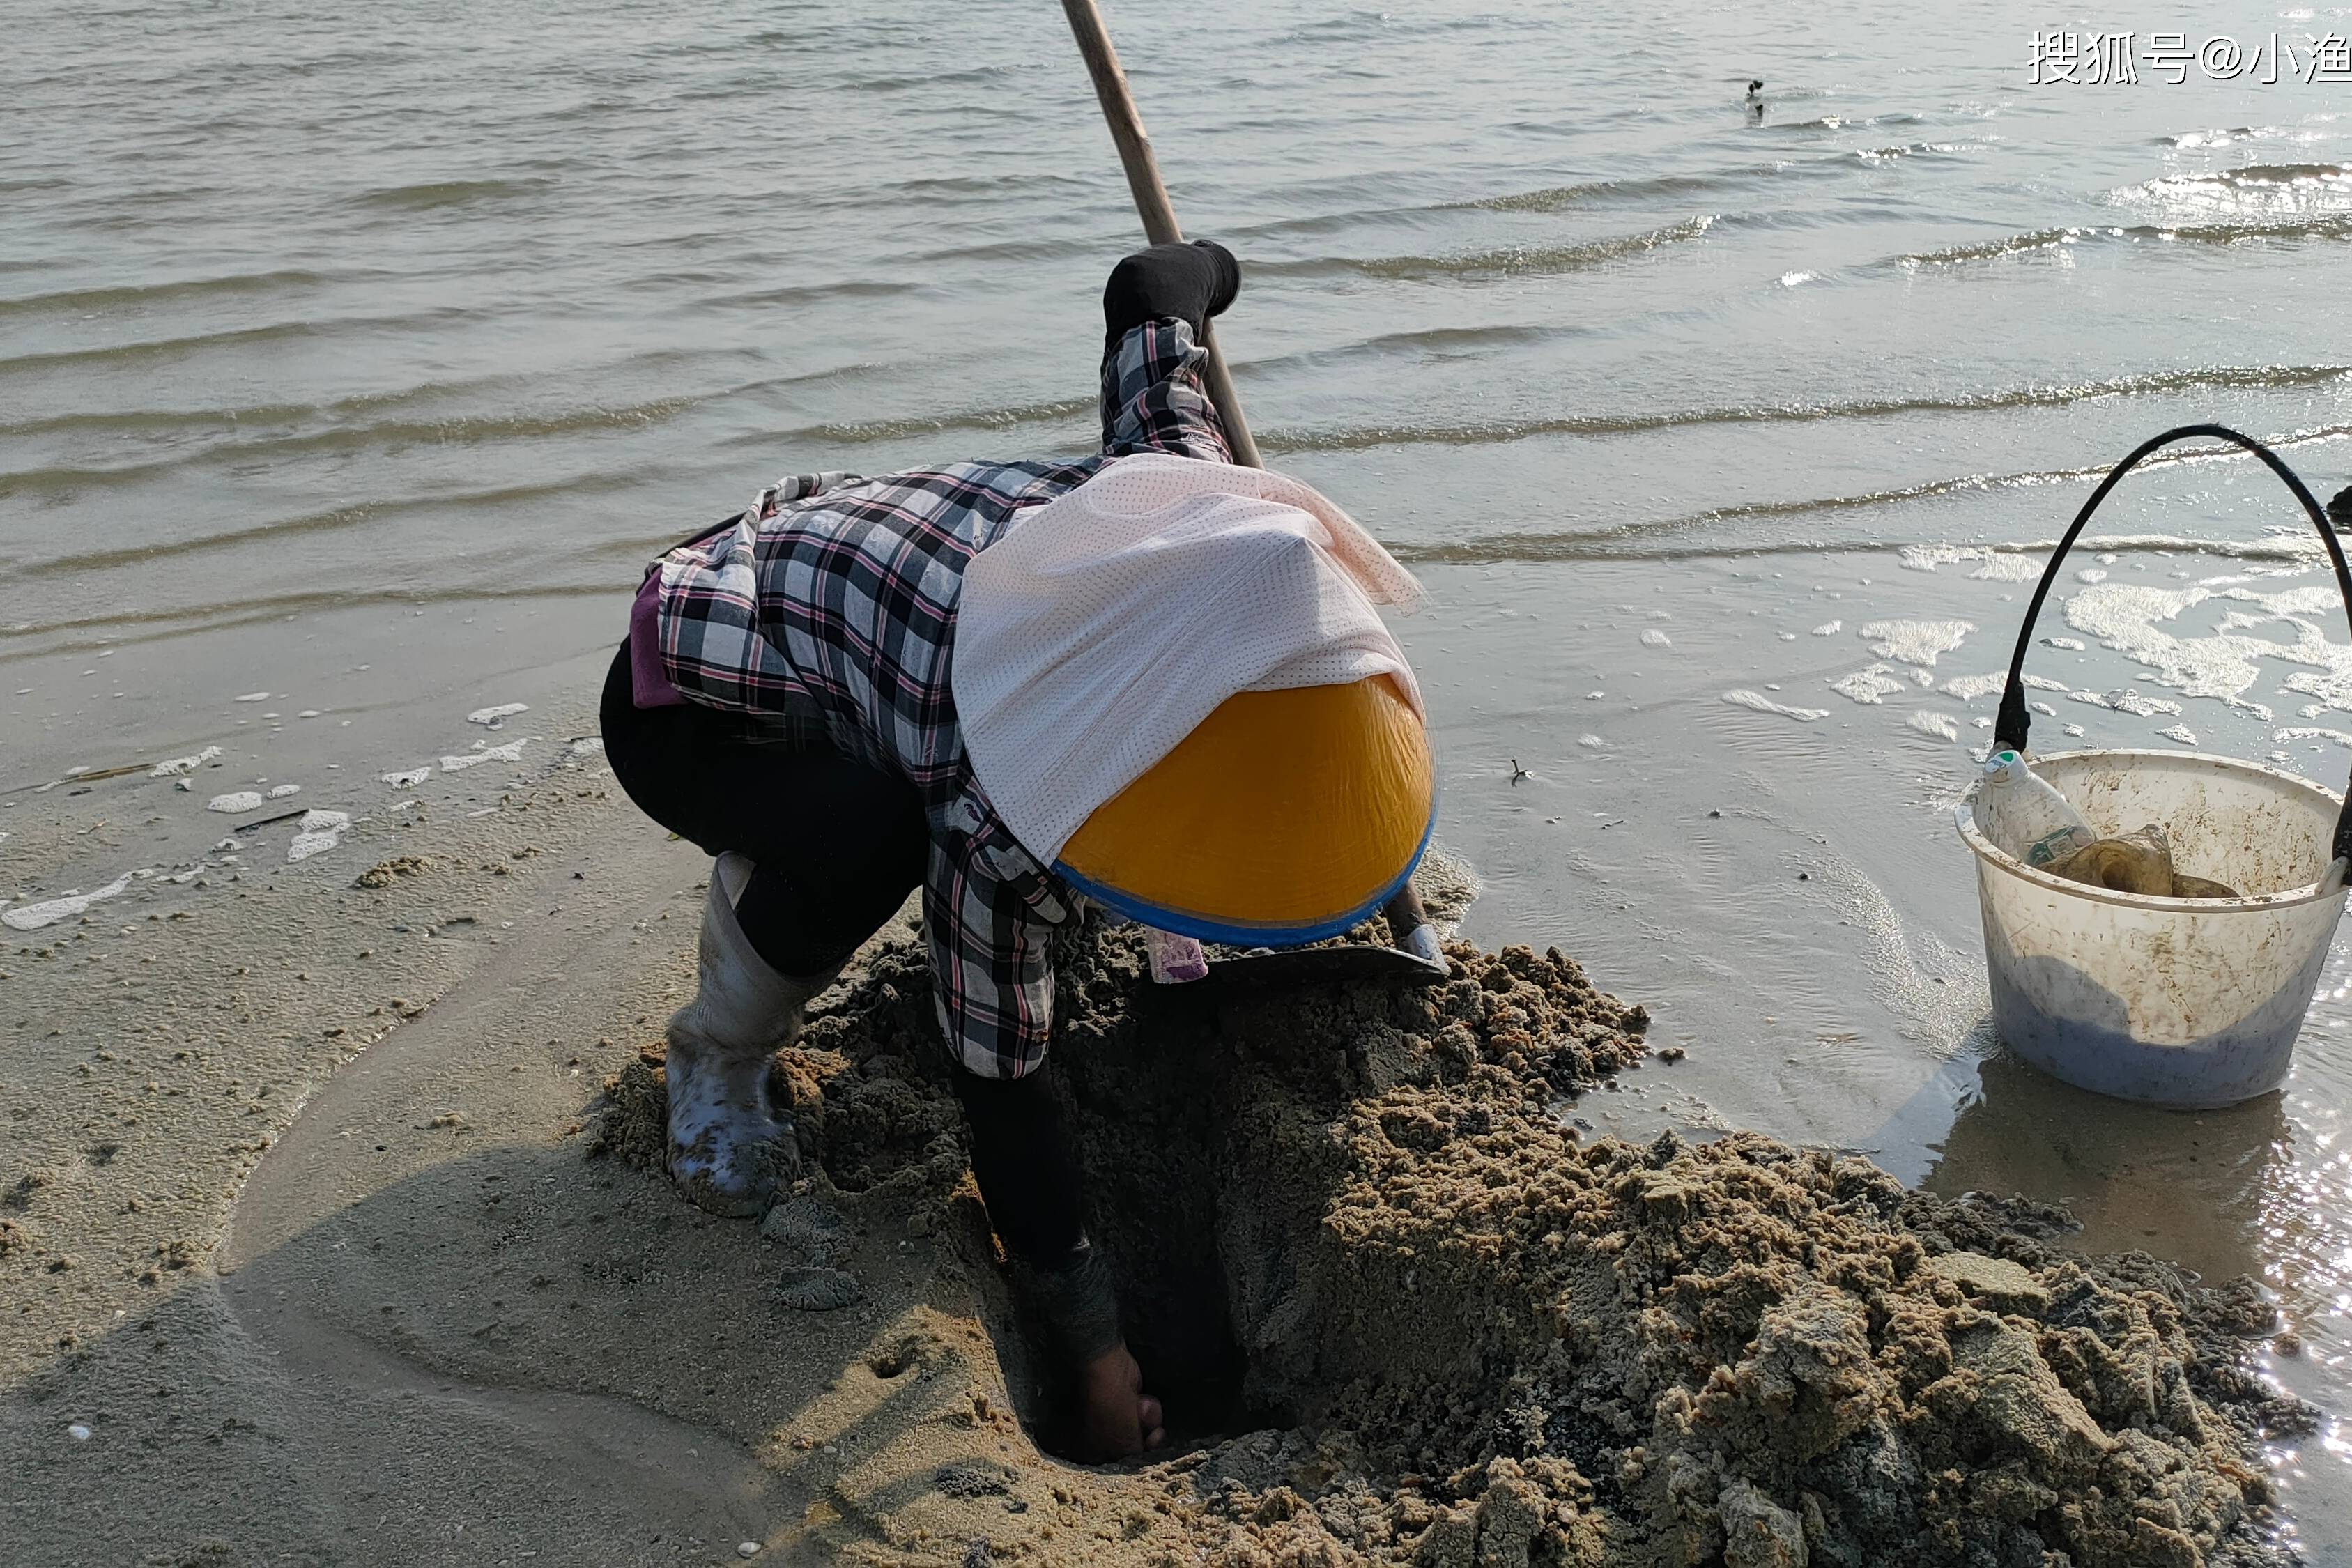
(1107, 623)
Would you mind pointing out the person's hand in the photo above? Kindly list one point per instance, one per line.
(1118, 1419)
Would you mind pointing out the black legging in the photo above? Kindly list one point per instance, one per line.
(837, 846)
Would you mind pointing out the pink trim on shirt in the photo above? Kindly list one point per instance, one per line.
(648, 687)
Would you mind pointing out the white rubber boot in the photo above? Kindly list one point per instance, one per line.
(730, 1148)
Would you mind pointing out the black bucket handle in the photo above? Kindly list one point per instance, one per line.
(2009, 728)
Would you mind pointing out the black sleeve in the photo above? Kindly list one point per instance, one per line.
(1021, 1158)
(1189, 281)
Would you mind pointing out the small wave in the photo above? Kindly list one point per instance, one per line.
(1362, 21)
(656, 365)
(1641, 541)
(1757, 702)
(1429, 343)
(2220, 138)
(969, 419)
(1484, 432)
(328, 521)
(924, 81)
(1347, 28)
(1625, 191)
(154, 349)
(1504, 262)
(138, 421)
(75, 299)
(1914, 149)
(993, 187)
(2294, 546)
(2256, 176)
(469, 430)
(1839, 123)
(1033, 249)
(806, 293)
(148, 625)
(2334, 226)
(1560, 198)
(446, 193)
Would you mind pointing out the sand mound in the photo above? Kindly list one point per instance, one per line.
(1354, 1223)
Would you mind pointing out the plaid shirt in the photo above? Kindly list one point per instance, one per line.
(837, 595)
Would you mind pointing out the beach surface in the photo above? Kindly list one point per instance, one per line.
(340, 1236)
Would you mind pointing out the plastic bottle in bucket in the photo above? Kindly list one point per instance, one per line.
(2025, 816)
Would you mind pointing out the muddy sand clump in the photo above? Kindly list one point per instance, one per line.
(1354, 1229)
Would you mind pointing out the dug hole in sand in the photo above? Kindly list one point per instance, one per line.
(1400, 1313)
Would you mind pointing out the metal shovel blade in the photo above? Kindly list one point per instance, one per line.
(1300, 968)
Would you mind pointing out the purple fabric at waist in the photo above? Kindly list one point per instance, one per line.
(648, 687)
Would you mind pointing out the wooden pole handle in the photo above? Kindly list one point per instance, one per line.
(1134, 144)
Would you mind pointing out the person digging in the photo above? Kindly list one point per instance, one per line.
(1149, 679)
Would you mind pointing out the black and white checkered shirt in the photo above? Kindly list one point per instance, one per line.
(840, 593)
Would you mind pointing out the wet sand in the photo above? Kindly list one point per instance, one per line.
(324, 1248)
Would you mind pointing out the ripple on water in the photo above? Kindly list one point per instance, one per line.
(1755, 701)
(1928, 721)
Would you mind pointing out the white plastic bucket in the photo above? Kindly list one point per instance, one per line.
(2186, 1002)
